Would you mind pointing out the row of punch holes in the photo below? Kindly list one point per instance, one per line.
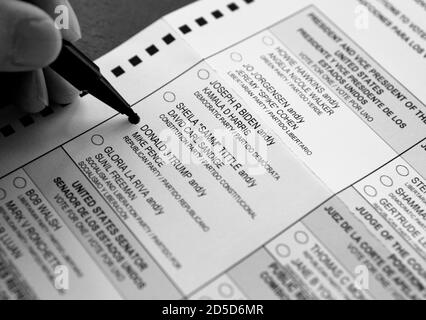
(28, 120)
(184, 29)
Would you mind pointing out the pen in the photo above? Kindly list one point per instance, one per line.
(79, 70)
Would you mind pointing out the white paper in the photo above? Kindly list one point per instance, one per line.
(280, 155)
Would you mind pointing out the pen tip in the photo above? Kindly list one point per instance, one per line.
(134, 118)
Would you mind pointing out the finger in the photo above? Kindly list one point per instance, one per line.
(30, 91)
(60, 91)
(64, 16)
(6, 88)
(28, 37)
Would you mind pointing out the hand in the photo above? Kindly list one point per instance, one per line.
(29, 42)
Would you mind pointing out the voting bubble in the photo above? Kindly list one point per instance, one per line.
(301, 237)
(402, 171)
(3, 194)
(370, 191)
(203, 74)
(235, 56)
(97, 140)
(268, 41)
(169, 96)
(20, 183)
(283, 250)
(226, 290)
(386, 181)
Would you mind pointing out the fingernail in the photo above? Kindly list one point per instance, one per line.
(41, 89)
(37, 43)
(65, 98)
(73, 32)
(60, 91)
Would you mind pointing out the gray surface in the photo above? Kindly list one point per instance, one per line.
(107, 23)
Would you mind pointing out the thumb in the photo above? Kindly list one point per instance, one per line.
(28, 37)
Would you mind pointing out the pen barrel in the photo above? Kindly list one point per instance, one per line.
(83, 74)
(75, 67)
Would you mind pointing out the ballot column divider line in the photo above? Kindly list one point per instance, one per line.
(303, 217)
(183, 296)
(226, 271)
(193, 66)
(387, 222)
(326, 247)
(321, 242)
(236, 283)
(75, 235)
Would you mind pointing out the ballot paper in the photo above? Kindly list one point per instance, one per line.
(281, 155)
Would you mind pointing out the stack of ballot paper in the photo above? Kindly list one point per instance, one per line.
(281, 155)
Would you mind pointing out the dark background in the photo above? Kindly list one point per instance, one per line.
(107, 23)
